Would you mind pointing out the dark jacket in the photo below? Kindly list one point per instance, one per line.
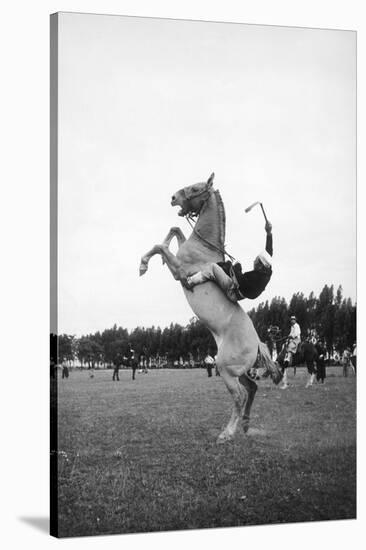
(251, 283)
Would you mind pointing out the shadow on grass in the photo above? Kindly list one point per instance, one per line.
(40, 523)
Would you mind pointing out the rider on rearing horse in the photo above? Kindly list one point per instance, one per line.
(230, 278)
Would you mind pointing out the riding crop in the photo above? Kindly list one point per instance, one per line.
(252, 206)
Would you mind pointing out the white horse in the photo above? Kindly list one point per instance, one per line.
(238, 345)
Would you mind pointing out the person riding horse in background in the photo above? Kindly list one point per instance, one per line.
(230, 278)
(294, 338)
(293, 341)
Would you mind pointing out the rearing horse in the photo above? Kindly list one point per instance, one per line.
(238, 345)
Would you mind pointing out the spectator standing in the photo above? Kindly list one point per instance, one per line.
(117, 365)
(209, 362)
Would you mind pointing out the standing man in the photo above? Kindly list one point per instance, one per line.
(346, 360)
(209, 362)
(133, 363)
(65, 371)
(293, 341)
(117, 364)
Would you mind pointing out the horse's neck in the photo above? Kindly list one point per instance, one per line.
(211, 222)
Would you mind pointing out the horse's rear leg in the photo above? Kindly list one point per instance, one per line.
(251, 388)
(238, 395)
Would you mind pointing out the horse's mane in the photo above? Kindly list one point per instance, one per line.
(222, 216)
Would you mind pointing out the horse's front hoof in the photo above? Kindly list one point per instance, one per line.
(143, 268)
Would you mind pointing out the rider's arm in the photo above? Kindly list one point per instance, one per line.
(269, 239)
(269, 244)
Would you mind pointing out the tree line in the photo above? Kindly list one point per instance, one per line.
(329, 316)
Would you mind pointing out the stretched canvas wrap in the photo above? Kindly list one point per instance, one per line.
(203, 274)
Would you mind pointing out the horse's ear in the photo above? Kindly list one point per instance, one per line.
(210, 179)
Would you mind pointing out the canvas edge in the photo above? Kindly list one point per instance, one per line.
(54, 25)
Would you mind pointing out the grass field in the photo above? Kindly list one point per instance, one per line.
(138, 456)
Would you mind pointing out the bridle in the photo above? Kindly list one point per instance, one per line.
(194, 194)
(191, 218)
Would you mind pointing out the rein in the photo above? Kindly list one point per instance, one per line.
(190, 219)
(279, 339)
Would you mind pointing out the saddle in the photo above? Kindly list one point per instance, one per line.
(230, 271)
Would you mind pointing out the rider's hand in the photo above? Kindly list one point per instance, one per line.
(268, 227)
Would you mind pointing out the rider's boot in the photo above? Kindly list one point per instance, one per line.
(196, 279)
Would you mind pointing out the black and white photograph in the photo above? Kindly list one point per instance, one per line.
(203, 230)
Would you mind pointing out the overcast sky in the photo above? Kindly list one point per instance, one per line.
(148, 106)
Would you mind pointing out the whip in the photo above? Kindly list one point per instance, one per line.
(255, 204)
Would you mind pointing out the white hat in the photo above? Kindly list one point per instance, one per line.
(264, 258)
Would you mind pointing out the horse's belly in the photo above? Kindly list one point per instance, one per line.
(222, 317)
(211, 306)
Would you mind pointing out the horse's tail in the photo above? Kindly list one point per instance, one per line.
(271, 368)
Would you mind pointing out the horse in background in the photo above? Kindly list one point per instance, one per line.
(238, 345)
(305, 354)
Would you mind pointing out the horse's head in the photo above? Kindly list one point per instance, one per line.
(192, 198)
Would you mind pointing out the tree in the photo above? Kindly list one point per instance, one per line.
(325, 316)
(66, 348)
(120, 350)
(332, 317)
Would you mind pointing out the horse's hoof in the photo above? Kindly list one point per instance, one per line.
(224, 438)
(143, 268)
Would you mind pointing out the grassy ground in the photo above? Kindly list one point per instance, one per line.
(137, 456)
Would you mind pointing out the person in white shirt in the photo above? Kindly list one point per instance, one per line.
(293, 341)
(209, 362)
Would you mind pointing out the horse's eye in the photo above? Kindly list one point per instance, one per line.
(194, 189)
